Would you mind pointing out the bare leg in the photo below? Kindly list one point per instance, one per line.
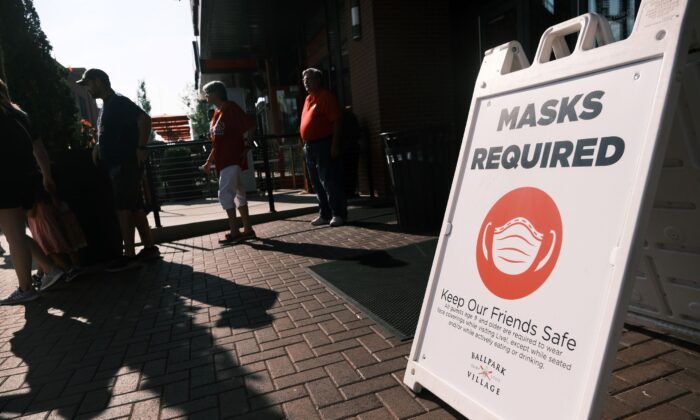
(12, 223)
(141, 222)
(245, 218)
(232, 222)
(126, 226)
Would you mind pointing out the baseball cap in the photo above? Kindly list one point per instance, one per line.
(93, 74)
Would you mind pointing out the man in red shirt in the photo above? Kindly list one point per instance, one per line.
(321, 132)
(230, 154)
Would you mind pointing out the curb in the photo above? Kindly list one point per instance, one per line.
(190, 230)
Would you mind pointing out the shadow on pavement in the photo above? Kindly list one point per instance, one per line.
(379, 226)
(165, 330)
(6, 262)
(370, 258)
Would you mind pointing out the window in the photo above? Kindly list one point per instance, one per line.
(548, 5)
(620, 15)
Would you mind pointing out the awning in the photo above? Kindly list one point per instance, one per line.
(172, 127)
(235, 35)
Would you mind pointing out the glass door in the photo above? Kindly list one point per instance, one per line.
(620, 14)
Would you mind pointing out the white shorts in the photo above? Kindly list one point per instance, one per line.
(231, 188)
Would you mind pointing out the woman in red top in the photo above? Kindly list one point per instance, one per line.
(229, 152)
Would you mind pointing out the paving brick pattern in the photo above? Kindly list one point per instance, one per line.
(245, 332)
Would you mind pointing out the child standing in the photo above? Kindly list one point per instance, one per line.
(56, 230)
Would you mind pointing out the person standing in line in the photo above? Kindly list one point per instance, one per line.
(56, 230)
(229, 153)
(18, 167)
(123, 129)
(321, 131)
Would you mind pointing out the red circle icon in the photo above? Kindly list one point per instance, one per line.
(519, 243)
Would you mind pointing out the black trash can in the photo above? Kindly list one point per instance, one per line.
(421, 165)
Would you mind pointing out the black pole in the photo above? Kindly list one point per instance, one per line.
(155, 205)
(368, 156)
(262, 109)
(268, 175)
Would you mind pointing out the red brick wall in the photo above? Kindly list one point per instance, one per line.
(401, 72)
(414, 61)
(365, 92)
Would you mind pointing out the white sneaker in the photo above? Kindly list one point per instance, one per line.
(50, 279)
(20, 296)
(319, 221)
(337, 221)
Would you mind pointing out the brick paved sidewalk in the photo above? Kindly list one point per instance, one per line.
(244, 331)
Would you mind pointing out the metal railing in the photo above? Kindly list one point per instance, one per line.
(281, 159)
(173, 174)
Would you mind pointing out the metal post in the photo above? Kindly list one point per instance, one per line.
(153, 194)
(292, 148)
(368, 155)
(268, 175)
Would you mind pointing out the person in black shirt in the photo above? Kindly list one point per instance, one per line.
(21, 177)
(123, 130)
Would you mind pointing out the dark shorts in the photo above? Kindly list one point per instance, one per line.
(22, 193)
(127, 187)
(21, 197)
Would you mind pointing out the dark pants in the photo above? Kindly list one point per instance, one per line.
(326, 175)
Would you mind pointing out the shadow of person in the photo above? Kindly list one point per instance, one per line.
(381, 226)
(166, 331)
(370, 258)
(6, 261)
(40, 350)
(378, 259)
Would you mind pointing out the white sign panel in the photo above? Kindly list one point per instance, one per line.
(528, 261)
(530, 267)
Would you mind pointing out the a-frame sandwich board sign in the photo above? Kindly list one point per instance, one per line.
(553, 189)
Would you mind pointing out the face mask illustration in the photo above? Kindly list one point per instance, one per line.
(519, 242)
(516, 245)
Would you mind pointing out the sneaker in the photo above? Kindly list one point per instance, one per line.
(319, 221)
(122, 264)
(148, 254)
(20, 296)
(73, 273)
(49, 279)
(337, 221)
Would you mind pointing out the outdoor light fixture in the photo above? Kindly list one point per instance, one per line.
(355, 14)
